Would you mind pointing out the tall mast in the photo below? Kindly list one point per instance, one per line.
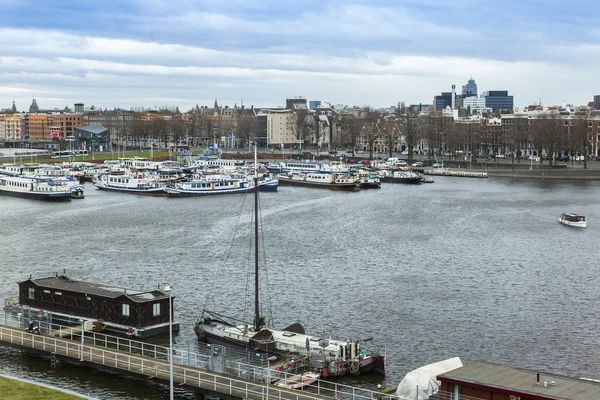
(257, 324)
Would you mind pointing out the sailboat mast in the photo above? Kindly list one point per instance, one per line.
(256, 296)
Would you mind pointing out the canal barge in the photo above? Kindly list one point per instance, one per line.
(113, 310)
(36, 189)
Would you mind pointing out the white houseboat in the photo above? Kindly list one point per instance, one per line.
(32, 188)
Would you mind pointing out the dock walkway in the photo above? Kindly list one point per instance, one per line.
(151, 362)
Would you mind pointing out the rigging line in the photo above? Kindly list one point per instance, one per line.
(249, 264)
(265, 265)
(209, 294)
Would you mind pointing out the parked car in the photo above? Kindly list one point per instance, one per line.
(564, 157)
(500, 156)
(437, 165)
(417, 164)
(404, 153)
(307, 153)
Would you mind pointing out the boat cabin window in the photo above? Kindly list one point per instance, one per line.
(288, 334)
(32, 293)
(155, 309)
(125, 310)
(46, 291)
(58, 293)
(315, 339)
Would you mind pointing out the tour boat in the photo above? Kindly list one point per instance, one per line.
(400, 176)
(205, 185)
(33, 188)
(131, 183)
(322, 181)
(575, 220)
(369, 180)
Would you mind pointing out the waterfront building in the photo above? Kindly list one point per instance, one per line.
(12, 127)
(499, 100)
(485, 380)
(93, 138)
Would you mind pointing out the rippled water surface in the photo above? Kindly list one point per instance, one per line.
(479, 269)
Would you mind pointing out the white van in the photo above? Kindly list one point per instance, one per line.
(396, 162)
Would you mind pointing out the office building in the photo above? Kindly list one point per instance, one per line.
(470, 89)
(499, 100)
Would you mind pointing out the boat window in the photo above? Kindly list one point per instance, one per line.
(155, 309)
(125, 310)
(32, 293)
(46, 291)
(288, 334)
(58, 293)
(315, 339)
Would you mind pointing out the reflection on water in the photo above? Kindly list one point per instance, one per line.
(479, 269)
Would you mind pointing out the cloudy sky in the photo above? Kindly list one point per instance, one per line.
(150, 53)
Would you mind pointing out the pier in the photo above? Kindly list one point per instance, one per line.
(151, 362)
(448, 172)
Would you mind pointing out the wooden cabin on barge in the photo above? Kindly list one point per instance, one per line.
(119, 310)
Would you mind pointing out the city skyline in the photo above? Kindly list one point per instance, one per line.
(133, 53)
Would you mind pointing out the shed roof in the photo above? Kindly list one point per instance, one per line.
(65, 283)
(522, 382)
(93, 128)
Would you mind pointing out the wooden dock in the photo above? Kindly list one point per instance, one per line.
(152, 368)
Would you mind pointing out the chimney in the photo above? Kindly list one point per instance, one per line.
(453, 96)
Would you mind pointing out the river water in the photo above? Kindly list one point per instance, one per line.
(479, 269)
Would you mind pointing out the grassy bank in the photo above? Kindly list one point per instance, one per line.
(11, 389)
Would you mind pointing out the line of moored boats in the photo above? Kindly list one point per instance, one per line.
(196, 178)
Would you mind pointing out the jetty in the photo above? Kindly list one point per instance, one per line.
(449, 172)
(191, 371)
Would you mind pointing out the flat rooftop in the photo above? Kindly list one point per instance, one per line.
(524, 381)
(65, 283)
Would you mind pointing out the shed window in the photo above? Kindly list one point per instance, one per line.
(32, 293)
(126, 310)
(155, 309)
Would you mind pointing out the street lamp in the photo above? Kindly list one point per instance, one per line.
(268, 376)
(168, 289)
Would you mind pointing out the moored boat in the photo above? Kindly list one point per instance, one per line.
(574, 220)
(322, 181)
(32, 188)
(329, 357)
(298, 381)
(401, 176)
(210, 185)
(268, 183)
(130, 183)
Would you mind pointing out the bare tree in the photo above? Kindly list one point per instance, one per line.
(581, 134)
(300, 124)
(548, 135)
(370, 128)
(350, 127)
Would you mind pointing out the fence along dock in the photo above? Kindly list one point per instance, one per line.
(150, 362)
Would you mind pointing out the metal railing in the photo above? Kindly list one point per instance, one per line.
(151, 359)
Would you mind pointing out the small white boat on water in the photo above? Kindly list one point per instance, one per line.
(575, 220)
(298, 381)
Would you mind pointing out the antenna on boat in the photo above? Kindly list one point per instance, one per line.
(257, 323)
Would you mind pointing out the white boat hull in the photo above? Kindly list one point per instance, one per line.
(579, 224)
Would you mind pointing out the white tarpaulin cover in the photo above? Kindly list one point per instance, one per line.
(421, 383)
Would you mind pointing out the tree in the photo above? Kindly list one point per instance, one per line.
(548, 135)
(300, 125)
(350, 127)
(581, 134)
(370, 128)
(246, 127)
